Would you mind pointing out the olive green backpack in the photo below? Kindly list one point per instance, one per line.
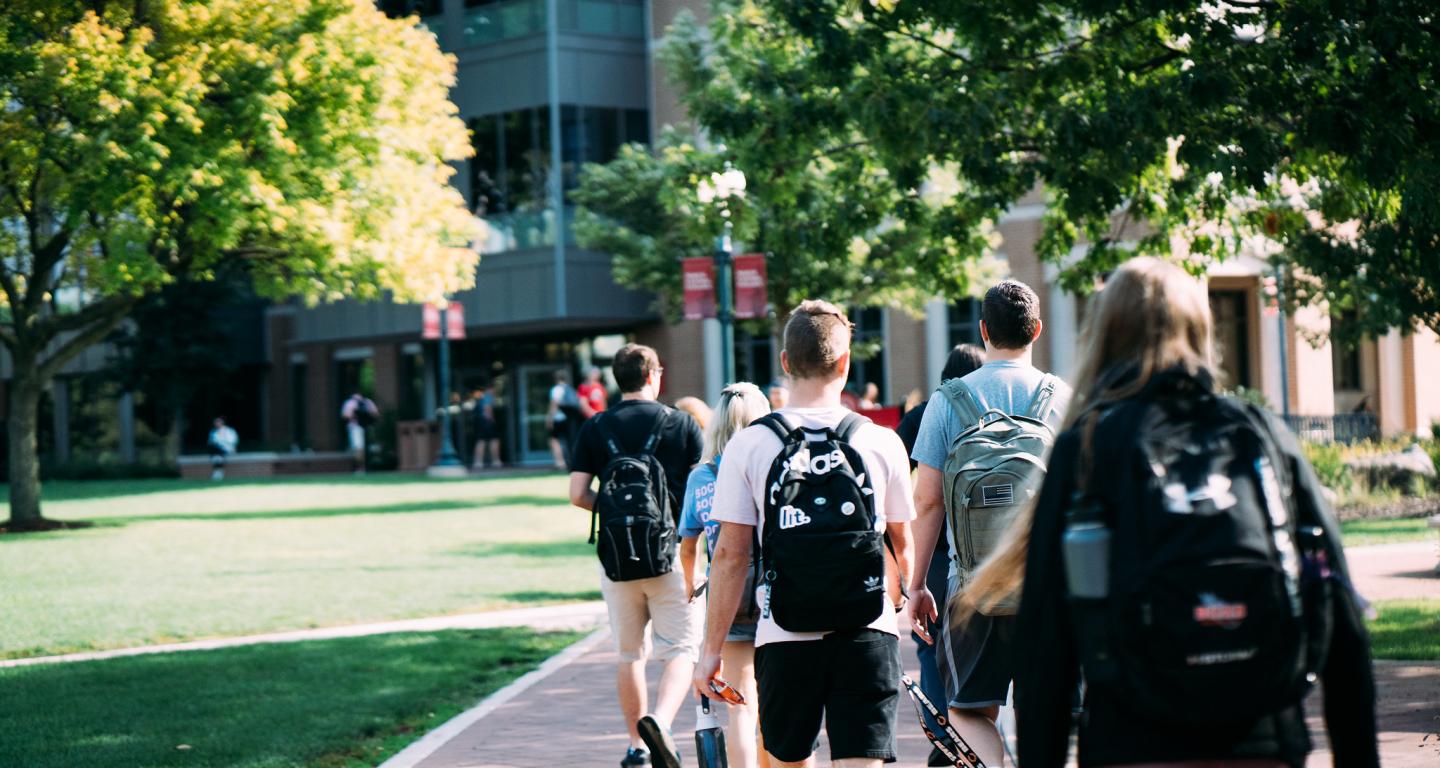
(996, 465)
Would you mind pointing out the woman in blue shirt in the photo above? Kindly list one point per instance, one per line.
(739, 405)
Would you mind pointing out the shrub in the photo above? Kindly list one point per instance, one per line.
(1328, 459)
(92, 469)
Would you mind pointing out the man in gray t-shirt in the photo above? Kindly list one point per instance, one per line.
(976, 659)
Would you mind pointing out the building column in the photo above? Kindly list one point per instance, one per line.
(710, 344)
(937, 340)
(1313, 376)
(126, 413)
(1391, 369)
(1062, 329)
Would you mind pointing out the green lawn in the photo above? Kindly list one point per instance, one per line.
(1361, 532)
(171, 560)
(1407, 630)
(324, 704)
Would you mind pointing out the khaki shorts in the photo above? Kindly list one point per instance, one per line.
(660, 605)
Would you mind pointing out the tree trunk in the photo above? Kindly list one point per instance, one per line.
(24, 450)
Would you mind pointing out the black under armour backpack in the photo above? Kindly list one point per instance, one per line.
(822, 560)
(636, 531)
(1209, 617)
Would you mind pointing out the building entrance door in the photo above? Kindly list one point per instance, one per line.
(533, 395)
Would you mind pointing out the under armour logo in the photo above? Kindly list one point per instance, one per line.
(1181, 500)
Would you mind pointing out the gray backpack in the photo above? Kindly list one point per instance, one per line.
(995, 466)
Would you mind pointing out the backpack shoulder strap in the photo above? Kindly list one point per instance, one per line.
(612, 443)
(1044, 393)
(847, 426)
(963, 401)
(653, 440)
(777, 424)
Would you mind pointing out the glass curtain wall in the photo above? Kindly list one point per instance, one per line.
(510, 172)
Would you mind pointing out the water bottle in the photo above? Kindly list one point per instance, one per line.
(1087, 550)
(709, 738)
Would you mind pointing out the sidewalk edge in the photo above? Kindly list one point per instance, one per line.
(431, 742)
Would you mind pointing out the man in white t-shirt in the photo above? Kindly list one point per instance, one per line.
(847, 679)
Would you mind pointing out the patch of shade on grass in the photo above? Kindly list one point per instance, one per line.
(168, 560)
(324, 704)
(1356, 533)
(1407, 630)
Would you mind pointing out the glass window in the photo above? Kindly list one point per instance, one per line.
(869, 340)
(754, 357)
(299, 414)
(1345, 357)
(963, 319)
(614, 18)
(1232, 337)
(401, 8)
(488, 21)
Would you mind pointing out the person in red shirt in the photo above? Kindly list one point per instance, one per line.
(593, 396)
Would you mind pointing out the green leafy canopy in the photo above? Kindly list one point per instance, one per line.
(836, 222)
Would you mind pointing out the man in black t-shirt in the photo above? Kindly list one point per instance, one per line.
(661, 601)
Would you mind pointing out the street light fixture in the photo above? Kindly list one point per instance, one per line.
(719, 189)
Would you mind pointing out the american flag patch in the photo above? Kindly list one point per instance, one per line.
(997, 495)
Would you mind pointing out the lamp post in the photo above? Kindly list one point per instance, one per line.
(720, 187)
(448, 463)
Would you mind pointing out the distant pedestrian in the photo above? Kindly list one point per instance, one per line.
(486, 429)
(359, 414)
(222, 443)
(562, 417)
(642, 452)
(697, 409)
(593, 397)
(1183, 557)
(963, 360)
(819, 487)
(870, 397)
(980, 450)
(740, 404)
(779, 394)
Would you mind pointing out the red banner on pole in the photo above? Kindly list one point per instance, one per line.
(454, 321)
(698, 276)
(750, 298)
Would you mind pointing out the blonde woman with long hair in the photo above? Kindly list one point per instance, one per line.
(740, 404)
(1147, 367)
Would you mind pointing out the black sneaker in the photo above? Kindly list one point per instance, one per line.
(661, 744)
(635, 757)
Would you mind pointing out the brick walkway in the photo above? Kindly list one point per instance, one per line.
(571, 717)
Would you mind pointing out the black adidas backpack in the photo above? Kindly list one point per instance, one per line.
(822, 560)
(1209, 617)
(636, 529)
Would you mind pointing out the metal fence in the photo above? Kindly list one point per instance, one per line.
(1340, 428)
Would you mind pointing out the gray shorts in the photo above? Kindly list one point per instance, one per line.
(976, 659)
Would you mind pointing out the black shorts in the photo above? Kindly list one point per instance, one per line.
(977, 660)
(848, 680)
(560, 430)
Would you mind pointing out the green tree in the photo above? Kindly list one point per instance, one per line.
(837, 224)
(145, 141)
(1304, 126)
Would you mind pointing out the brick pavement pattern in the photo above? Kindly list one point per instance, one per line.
(572, 718)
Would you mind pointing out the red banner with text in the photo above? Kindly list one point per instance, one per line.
(454, 322)
(750, 298)
(699, 282)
